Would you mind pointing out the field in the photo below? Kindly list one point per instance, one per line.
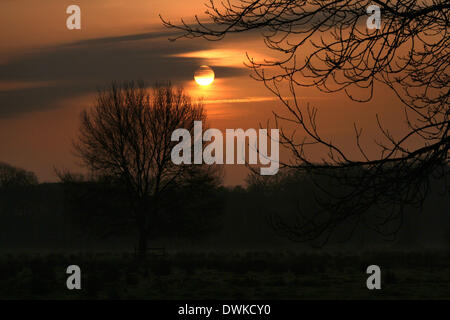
(253, 275)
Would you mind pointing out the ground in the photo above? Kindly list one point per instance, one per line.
(252, 275)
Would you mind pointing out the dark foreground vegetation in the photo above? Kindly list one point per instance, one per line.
(253, 275)
(219, 241)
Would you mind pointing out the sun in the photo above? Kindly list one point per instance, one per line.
(204, 76)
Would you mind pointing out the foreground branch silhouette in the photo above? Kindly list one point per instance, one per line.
(326, 45)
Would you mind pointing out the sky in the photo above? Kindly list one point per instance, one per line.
(49, 74)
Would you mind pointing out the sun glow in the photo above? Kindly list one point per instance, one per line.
(204, 76)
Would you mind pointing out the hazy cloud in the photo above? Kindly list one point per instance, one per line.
(83, 66)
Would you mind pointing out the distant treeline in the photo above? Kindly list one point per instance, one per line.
(83, 214)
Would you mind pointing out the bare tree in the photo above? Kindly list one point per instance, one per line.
(327, 45)
(11, 176)
(127, 135)
(15, 187)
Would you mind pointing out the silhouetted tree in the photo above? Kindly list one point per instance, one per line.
(15, 190)
(100, 205)
(192, 208)
(188, 209)
(327, 45)
(11, 176)
(127, 135)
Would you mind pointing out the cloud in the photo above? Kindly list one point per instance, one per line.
(124, 38)
(81, 67)
(242, 100)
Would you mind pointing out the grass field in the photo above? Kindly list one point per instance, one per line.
(253, 275)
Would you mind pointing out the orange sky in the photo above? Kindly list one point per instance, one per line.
(116, 42)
